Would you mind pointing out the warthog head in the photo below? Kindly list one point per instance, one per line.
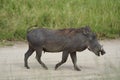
(93, 44)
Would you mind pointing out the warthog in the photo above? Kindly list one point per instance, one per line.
(69, 41)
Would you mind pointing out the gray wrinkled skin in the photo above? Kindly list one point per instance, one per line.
(68, 41)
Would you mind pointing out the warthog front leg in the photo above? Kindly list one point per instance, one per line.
(38, 57)
(74, 60)
(64, 59)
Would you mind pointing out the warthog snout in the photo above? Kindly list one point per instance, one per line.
(96, 48)
(101, 51)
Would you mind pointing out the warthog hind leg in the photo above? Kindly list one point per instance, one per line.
(27, 55)
(38, 57)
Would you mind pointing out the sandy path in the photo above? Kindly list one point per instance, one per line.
(106, 67)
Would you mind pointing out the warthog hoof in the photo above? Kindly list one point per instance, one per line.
(27, 67)
(77, 69)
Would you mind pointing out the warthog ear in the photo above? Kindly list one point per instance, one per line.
(86, 30)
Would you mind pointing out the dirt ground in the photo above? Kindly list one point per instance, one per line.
(106, 67)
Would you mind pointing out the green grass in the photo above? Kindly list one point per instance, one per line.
(103, 16)
(6, 43)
